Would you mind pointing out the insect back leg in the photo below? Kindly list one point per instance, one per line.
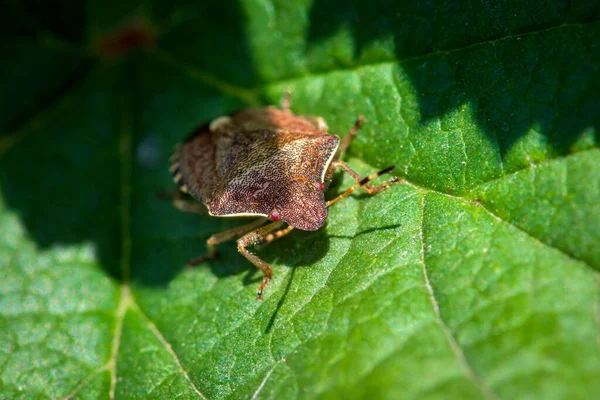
(263, 235)
(224, 236)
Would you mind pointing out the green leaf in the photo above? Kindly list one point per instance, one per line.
(477, 277)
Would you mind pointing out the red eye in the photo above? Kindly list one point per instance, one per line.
(320, 186)
(274, 215)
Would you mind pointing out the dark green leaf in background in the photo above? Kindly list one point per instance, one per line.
(477, 278)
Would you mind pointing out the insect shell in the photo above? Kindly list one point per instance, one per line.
(267, 163)
(259, 162)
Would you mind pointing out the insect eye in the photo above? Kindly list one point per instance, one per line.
(274, 215)
(319, 185)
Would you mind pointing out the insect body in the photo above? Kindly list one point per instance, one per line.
(267, 163)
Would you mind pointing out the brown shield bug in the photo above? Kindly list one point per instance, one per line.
(267, 163)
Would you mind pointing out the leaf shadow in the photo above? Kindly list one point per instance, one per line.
(158, 266)
(66, 186)
(366, 232)
(319, 245)
(280, 302)
(521, 90)
(300, 251)
(297, 249)
(85, 172)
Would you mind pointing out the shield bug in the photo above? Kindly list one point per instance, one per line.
(267, 163)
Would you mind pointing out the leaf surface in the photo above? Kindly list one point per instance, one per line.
(477, 277)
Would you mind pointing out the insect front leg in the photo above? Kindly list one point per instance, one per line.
(343, 147)
(349, 137)
(263, 235)
(363, 182)
(369, 188)
(224, 236)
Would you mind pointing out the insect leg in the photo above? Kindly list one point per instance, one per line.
(349, 137)
(369, 188)
(363, 182)
(224, 236)
(254, 237)
(276, 235)
(343, 147)
(286, 101)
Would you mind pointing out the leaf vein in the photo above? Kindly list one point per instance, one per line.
(566, 253)
(469, 373)
(572, 257)
(266, 378)
(86, 381)
(521, 170)
(167, 347)
(597, 309)
(64, 96)
(248, 96)
(114, 352)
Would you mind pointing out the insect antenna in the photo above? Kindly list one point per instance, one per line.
(286, 100)
(364, 181)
